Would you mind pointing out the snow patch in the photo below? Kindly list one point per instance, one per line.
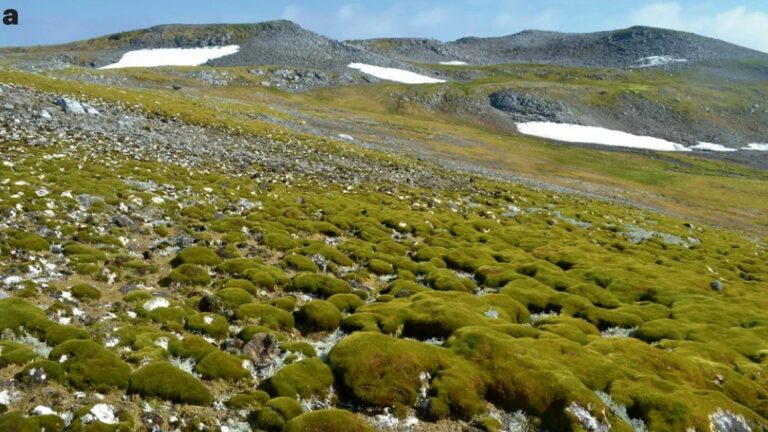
(662, 60)
(596, 135)
(42, 410)
(157, 302)
(162, 342)
(453, 63)
(756, 147)
(172, 56)
(393, 74)
(5, 397)
(705, 146)
(105, 413)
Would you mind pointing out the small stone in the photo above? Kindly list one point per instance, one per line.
(152, 421)
(262, 349)
(122, 221)
(716, 285)
(211, 303)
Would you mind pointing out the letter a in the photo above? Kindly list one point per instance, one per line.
(10, 17)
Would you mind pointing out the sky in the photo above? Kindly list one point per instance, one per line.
(744, 22)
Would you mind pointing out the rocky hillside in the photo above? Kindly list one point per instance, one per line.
(285, 43)
(632, 47)
(269, 43)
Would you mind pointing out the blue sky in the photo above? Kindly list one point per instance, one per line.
(56, 21)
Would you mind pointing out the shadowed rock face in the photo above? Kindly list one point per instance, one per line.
(526, 107)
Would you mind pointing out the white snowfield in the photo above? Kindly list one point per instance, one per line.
(596, 135)
(756, 147)
(712, 147)
(393, 74)
(453, 63)
(172, 56)
(662, 60)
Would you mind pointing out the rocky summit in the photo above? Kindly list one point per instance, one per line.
(230, 229)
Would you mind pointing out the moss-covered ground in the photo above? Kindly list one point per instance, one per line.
(450, 303)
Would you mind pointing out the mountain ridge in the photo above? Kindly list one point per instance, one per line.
(287, 43)
(621, 48)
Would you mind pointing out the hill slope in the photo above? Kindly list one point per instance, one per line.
(630, 47)
(269, 43)
(170, 260)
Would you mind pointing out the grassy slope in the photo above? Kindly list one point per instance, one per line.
(541, 260)
(686, 185)
(683, 184)
(696, 349)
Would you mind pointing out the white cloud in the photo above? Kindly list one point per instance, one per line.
(738, 25)
(348, 11)
(430, 17)
(293, 13)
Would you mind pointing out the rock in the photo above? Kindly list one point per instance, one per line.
(70, 106)
(122, 221)
(526, 107)
(88, 201)
(73, 106)
(727, 421)
(90, 110)
(183, 240)
(588, 421)
(105, 413)
(716, 285)
(262, 349)
(152, 421)
(211, 303)
(37, 376)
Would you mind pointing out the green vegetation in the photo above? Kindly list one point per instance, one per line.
(331, 420)
(321, 285)
(274, 415)
(302, 379)
(17, 421)
(190, 274)
(85, 292)
(318, 315)
(267, 315)
(220, 365)
(164, 381)
(451, 303)
(198, 255)
(91, 366)
(30, 242)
